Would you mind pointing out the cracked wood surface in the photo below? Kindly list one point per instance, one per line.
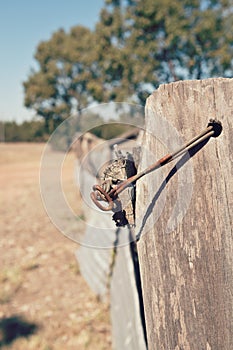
(184, 219)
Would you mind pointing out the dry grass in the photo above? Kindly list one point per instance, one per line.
(44, 302)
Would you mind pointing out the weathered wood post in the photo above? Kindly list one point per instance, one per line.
(185, 219)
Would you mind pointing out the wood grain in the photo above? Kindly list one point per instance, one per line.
(184, 219)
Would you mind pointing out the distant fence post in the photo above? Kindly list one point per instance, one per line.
(187, 262)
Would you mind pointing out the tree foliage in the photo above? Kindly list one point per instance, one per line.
(63, 83)
(28, 131)
(136, 45)
(188, 39)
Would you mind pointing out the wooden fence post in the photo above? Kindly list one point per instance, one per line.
(184, 219)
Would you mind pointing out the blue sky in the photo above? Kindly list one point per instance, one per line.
(23, 24)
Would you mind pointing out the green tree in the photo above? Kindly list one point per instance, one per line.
(28, 131)
(181, 39)
(136, 45)
(146, 42)
(63, 83)
(111, 32)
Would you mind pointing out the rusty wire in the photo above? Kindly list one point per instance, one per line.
(213, 129)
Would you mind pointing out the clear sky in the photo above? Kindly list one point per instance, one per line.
(23, 24)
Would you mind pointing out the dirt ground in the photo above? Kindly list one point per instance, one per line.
(45, 304)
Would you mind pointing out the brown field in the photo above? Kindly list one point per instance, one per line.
(45, 303)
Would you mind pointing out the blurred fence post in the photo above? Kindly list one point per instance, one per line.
(110, 273)
(186, 237)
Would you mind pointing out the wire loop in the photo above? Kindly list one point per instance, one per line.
(214, 128)
(99, 191)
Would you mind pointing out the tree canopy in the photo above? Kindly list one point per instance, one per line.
(135, 46)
